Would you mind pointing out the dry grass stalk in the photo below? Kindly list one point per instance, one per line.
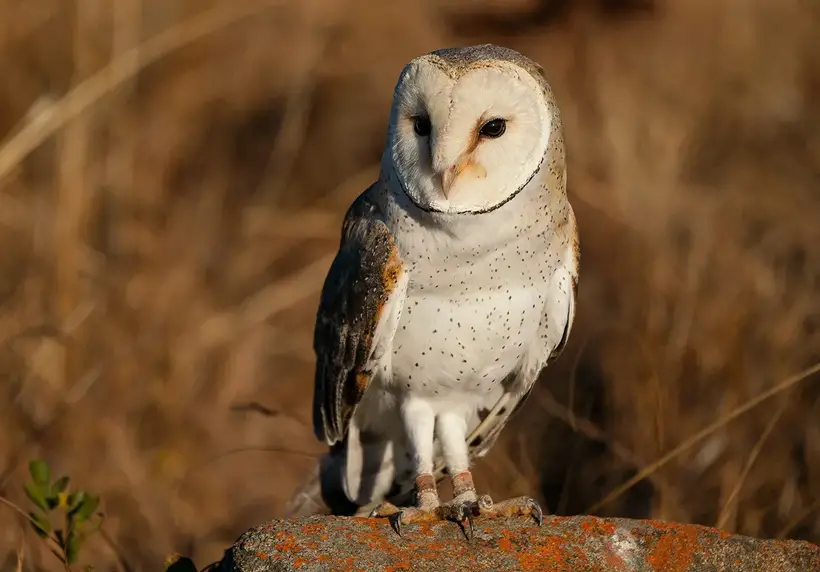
(184, 288)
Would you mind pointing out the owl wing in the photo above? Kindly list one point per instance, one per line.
(554, 330)
(360, 304)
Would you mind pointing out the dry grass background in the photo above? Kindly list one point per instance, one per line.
(173, 174)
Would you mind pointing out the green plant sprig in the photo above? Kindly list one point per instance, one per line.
(53, 501)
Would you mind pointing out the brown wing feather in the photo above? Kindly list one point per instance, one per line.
(357, 288)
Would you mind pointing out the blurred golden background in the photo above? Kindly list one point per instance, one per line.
(173, 175)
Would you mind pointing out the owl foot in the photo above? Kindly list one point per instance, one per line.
(519, 506)
(397, 516)
(458, 510)
(426, 509)
(484, 507)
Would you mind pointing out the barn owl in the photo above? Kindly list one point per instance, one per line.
(453, 287)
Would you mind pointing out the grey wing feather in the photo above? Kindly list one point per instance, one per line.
(357, 294)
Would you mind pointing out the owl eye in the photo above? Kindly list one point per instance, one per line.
(421, 125)
(494, 128)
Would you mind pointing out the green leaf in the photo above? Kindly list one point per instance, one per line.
(72, 547)
(40, 524)
(87, 507)
(35, 495)
(40, 472)
(60, 485)
(74, 501)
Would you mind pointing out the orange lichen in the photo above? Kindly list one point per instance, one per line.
(607, 527)
(552, 553)
(287, 542)
(568, 543)
(593, 525)
(311, 529)
(505, 544)
(675, 549)
(589, 524)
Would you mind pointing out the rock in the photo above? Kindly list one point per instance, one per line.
(563, 543)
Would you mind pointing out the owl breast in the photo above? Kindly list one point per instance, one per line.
(468, 323)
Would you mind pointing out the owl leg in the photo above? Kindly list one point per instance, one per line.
(452, 434)
(427, 507)
(419, 420)
(466, 504)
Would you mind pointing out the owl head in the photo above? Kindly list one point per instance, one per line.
(470, 127)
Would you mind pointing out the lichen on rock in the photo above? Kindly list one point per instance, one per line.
(563, 543)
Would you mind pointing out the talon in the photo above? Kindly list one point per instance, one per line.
(395, 521)
(458, 511)
(462, 512)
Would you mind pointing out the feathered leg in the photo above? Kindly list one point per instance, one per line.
(466, 504)
(419, 421)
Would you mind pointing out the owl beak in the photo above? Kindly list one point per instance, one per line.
(448, 177)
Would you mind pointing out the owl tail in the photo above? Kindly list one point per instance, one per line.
(307, 500)
(357, 469)
(322, 492)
